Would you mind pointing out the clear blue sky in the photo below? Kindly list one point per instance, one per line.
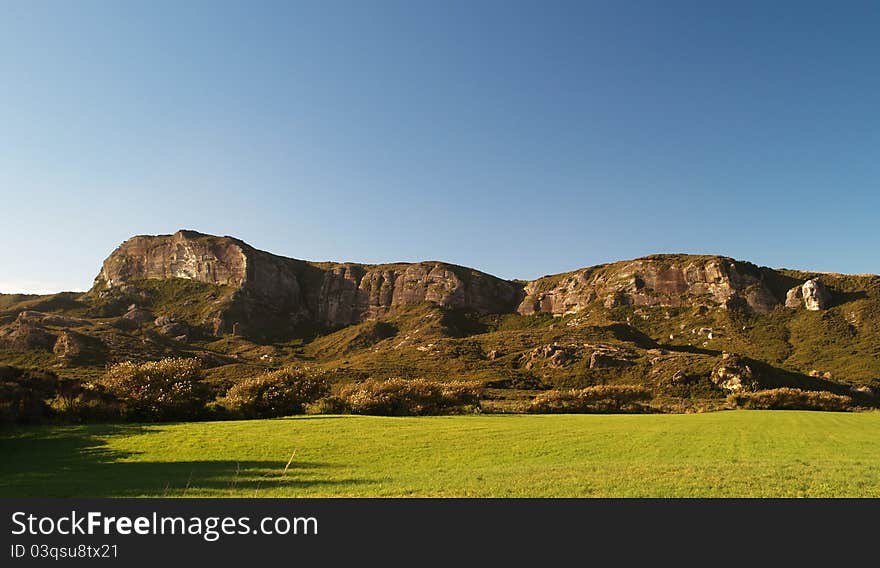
(521, 138)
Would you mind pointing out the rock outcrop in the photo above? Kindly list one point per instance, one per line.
(816, 296)
(263, 290)
(734, 374)
(185, 254)
(794, 298)
(22, 335)
(553, 355)
(269, 287)
(352, 293)
(812, 295)
(72, 346)
(661, 280)
(57, 320)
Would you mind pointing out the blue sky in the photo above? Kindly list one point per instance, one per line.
(520, 138)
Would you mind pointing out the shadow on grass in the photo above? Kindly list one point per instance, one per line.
(76, 461)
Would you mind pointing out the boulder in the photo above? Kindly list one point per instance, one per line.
(173, 329)
(816, 296)
(794, 298)
(138, 315)
(812, 294)
(72, 346)
(57, 320)
(22, 335)
(733, 374)
(552, 355)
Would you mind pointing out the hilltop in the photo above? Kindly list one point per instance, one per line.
(690, 327)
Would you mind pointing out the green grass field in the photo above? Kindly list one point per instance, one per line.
(721, 454)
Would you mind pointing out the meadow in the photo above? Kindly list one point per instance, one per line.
(720, 454)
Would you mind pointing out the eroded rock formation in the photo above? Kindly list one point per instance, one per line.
(332, 295)
(653, 281)
(812, 295)
(289, 291)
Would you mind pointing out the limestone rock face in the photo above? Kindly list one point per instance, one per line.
(292, 291)
(812, 294)
(268, 291)
(652, 281)
(351, 293)
(816, 296)
(570, 294)
(185, 254)
(794, 298)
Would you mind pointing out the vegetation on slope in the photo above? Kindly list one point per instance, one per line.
(672, 351)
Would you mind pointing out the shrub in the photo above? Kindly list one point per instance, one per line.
(328, 405)
(158, 390)
(414, 397)
(23, 394)
(597, 399)
(76, 401)
(790, 399)
(276, 393)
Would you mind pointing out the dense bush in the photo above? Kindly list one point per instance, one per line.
(790, 399)
(158, 390)
(328, 405)
(602, 398)
(31, 395)
(401, 397)
(23, 394)
(276, 393)
(76, 401)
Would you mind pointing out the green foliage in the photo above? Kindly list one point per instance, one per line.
(180, 298)
(749, 453)
(78, 401)
(353, 338)
(664, 348)
(401, 397)
(790, 399)
(158, 390)
(328, 405)
(597, 399)
(31, 395)
(276, 393)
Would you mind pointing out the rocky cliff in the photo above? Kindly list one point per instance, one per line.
(274, 287)
(660, 280)
(283, 290)
(686, 326)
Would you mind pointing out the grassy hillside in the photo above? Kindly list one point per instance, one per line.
(670, 349)
(724, 454)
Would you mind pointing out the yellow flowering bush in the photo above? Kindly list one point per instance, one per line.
(159, 390)
(597, 399)
(276, 393)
